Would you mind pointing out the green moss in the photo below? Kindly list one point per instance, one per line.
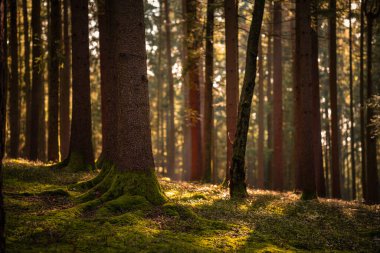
(308, 195)
(77, 163)
(175, 210)
(122, 204)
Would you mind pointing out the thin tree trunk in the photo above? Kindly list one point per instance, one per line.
(260, 118)
(208, 127)
(54, 61)
(14, 110)
(305, 158)
(64, 97)
(171, 126)
(278, 160)
(269, 101)
(238, 187)
(232, 75)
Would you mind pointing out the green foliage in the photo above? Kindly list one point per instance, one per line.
(198, 218)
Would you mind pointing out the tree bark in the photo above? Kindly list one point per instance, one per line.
(208, 127)
(171, 126)
(238, 187)
(278, 160)
(305, 158)
(260, 116)
(335, 170)
(232, 75)
(268, 173)
(64, 106)
(193, 50)
(54, 61)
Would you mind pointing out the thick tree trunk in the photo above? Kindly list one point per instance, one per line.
(3, 93)
(238, 188)
(208, 127)
(193, 50)
(54, 61)
(37, 91)
(64, 98)
(81, 155)
(26, 150)
(260, 118)
(171, 126)
(232, 75)
(333, 102)
(14, 110)
(305, 158)
(278, 160)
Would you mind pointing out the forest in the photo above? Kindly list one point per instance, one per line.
(189, 125)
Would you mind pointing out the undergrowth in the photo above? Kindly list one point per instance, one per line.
(42, 216)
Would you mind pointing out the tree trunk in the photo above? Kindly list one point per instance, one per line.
(305, 158)
(333, 102)
(208, 126)
(268, 173)
(14, 111)
(193, 50)
(81, 155)
(238, 187)
(54, 61)
(37, 91)
(260, 116)
(232, 75)
(64, 106)
(3, 99)
(26, 150)
(278, 163)
(171, 126)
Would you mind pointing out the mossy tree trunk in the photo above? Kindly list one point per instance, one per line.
(238, 188)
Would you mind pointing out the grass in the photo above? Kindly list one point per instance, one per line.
(41, 217)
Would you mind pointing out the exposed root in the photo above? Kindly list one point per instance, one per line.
(73, 163)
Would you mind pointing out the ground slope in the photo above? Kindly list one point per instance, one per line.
(42, 216)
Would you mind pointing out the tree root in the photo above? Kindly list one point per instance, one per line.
(74, 163)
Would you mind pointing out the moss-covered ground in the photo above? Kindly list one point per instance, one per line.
(42, 217)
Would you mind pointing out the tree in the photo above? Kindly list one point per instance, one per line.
(171, 126)
(193, 34)
(54, 61)
(208, 126)
(3, 92)
(372, 11)
(278, 164)
(64, 93)
(37, 92)
(260, 116)
(14, 110)
(269, 96)
(238, 188)
(81, 156)
(232, 75)
(333, 102)
(132, 176)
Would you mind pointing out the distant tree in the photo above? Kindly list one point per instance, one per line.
(372, 11)
(64, 89)
(333, 102)
(260, 118)
(208, 126)
(37, 92)
(269, 110)
(232, 75)
(305, 170)
(238, 188)
(54, 61)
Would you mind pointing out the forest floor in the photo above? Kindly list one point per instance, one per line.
(198, 218)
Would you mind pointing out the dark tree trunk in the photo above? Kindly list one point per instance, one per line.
(193, 50)
(238, 187)
(232, 75)
(37, 91)
(3, 93)
(333, 102)
(64, 98)
(372, 11)
(171, 126)
(208, 127)
(278, 160)
(305, 158)
(28, 90)
(54, 61)
(14, 110)
(81, 156)
(260, 119)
